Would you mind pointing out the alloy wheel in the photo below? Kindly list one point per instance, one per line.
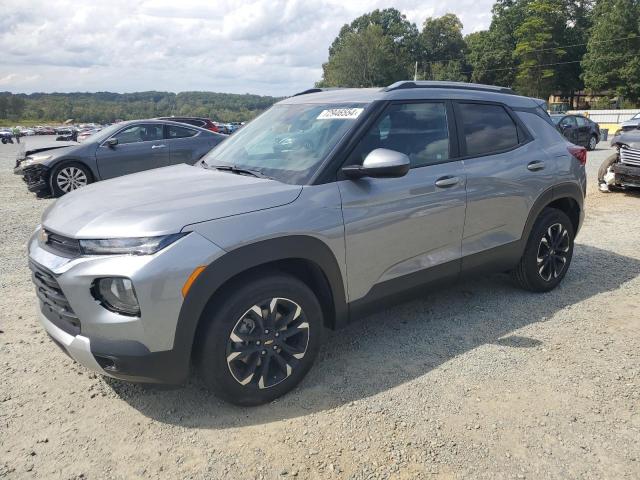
(592, 143)
(71, 178)
(267, 343)
(553, 251)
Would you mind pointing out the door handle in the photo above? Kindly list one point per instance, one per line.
(445, 182)
(158, 146)
(535, 166)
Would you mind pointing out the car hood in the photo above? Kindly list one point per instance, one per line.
(634, 122)
(162, 201)
(630, 138)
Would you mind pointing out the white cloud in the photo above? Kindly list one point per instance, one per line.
(271, 47)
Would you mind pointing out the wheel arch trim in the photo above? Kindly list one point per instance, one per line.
(242, 259)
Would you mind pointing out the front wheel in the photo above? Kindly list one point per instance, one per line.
(606, 177)
(593, 142)
(68, 177)
(261, 340)
(548, 252)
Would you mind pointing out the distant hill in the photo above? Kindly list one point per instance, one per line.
(104, 107)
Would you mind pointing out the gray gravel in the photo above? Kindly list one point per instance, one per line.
(477, 381)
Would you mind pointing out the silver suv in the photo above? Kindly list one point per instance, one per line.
(318, 210)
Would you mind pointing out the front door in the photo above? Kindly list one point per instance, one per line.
(569, 128)
(140, 147)
(399, 231)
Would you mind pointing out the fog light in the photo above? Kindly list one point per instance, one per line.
(118, 295)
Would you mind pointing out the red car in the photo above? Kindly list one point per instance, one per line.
(196, 121)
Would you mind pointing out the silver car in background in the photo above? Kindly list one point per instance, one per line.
(120, 149)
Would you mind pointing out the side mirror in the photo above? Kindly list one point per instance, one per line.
(380, 163)
(112, 142)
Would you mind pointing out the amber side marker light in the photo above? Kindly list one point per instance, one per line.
(192, 278)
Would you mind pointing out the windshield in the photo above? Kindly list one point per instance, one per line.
(287, 142)
(556, 118)
(106, 132)
(636, 116)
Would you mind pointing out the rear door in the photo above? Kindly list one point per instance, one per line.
(185, 144)
(506, 171)
(399, 231)
(140, 147)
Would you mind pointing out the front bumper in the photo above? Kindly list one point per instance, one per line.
(139, 349)
(627, 175)
(36, 176)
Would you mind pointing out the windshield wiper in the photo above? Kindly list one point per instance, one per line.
(237, 171)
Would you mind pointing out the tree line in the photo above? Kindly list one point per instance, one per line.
(537, 47)
(106, 107)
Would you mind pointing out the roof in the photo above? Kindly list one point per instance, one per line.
(410, 90)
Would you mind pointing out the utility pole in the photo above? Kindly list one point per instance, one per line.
(415, 72)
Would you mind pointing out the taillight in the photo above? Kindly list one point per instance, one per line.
(580, 153)
(213, 128)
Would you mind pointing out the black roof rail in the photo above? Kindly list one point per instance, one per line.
(316, 90)
(404, 84)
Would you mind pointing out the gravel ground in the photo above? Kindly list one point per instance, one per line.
(477, 381)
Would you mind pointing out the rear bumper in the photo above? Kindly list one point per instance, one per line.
(628, 175)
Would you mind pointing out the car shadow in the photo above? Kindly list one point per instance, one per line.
(399, 344)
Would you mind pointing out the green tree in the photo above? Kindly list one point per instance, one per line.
(537, 48)
(489, 58)
(612, 60)
(393, 32)
(441, 49)
(364, 59)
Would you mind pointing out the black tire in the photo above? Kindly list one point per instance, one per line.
(4, 140)
(79, 170)
(604, 168)
(228, 376)
(534, 275)
(592, 143)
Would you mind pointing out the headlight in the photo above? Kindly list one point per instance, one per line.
(117, 294)
(36, 159)
(131, 246)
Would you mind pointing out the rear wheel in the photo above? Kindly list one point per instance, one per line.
(548, 253)
(261, 340)
(68, 177)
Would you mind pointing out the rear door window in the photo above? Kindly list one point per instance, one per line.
(180, 132)
(487, 128)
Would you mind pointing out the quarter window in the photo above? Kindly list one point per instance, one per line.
(487, 128)
(419, 130)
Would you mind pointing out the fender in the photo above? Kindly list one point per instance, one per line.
(557, 192)
(242, 259)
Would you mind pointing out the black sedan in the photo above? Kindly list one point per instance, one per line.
(120, 149)
(578, 130)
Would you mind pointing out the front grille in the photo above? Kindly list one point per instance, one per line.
(627, 128)
(630, 156)
(53, 303)
(61, 244)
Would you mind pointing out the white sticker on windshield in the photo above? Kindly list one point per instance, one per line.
(340, 113)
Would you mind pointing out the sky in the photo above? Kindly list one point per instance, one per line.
(268, 47)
